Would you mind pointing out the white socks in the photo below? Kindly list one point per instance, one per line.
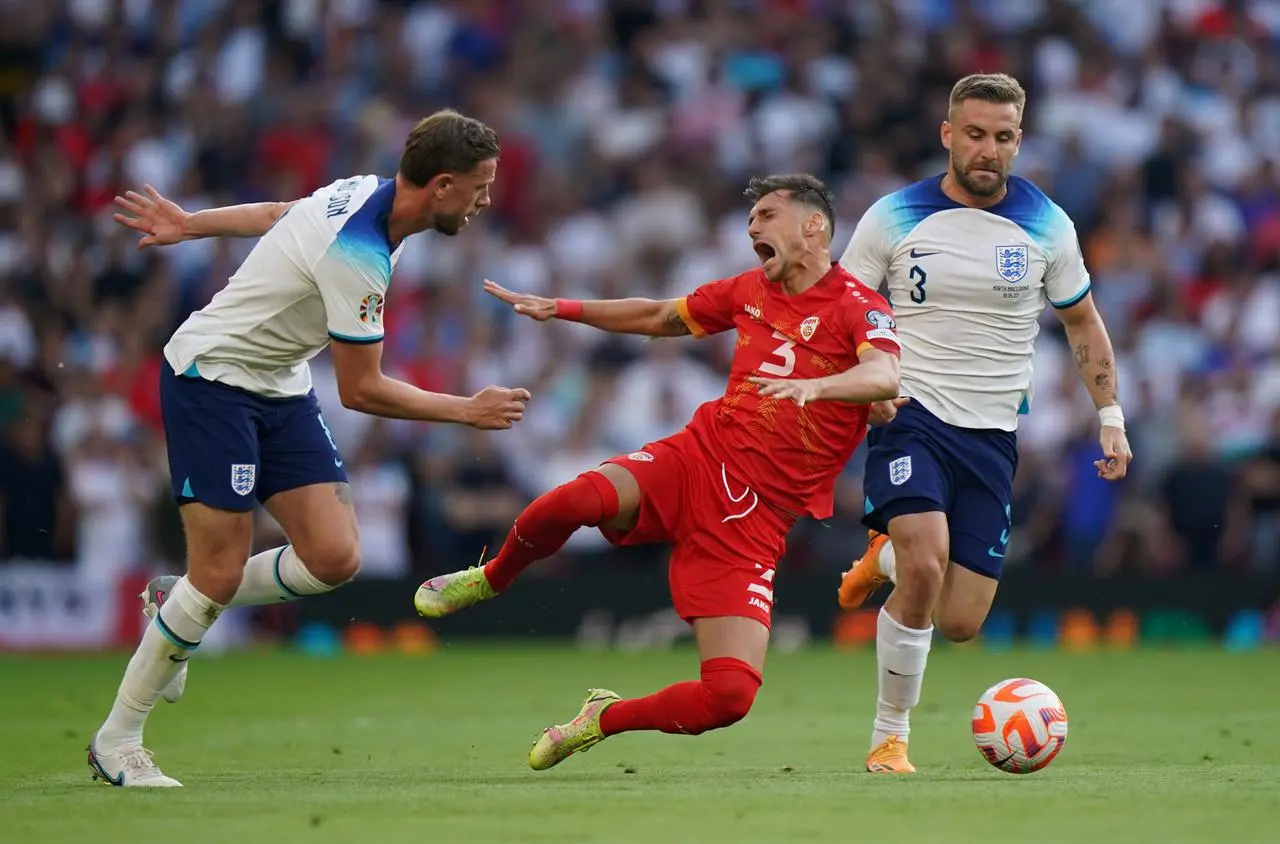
(901, 654)
(274, 576)
(169, 641)
(886, 561)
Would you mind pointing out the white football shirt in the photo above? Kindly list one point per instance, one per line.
(967, 287)
(321, 273)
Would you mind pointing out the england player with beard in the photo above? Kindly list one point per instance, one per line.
(970, 258)
(242, 424)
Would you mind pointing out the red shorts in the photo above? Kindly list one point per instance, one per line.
(727, 540)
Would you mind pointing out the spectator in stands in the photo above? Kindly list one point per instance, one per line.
(625, 125)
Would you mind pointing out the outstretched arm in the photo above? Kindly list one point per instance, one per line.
(1091, 348)
(353, 287)
(652, 317)
(163, 222)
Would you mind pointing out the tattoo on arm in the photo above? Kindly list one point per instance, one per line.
(1099, 373)
(343, 491)
(676, 326)
(1104, 381)
(1101, 380)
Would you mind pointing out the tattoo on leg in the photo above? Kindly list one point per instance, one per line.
(1081, 354)
(343, 491)
(1105, 363)
(1102, 380)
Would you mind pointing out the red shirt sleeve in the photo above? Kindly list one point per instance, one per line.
(711, 308)
(874, 326)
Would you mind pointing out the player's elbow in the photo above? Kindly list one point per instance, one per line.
(356, 395)
(357, 401)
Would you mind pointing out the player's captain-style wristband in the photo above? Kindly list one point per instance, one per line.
(1111, 416)
(569, 309)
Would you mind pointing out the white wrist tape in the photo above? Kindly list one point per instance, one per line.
(1112, 416)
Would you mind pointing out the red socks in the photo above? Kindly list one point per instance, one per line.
(723, 697)
(547, 524)
(728, 686)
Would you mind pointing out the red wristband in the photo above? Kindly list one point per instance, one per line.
(569, 309)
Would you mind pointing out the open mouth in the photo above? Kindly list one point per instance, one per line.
(764, 252)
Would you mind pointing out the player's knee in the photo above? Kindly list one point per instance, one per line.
(958, 623)
(919, 574)
(957, 629)
(724, 705)
(218, 545)
(215, 572)
(730, 690)
(920, 547)
(344, 567)
(918, 581)
(730, 704)
(215, 576)
(333, 562)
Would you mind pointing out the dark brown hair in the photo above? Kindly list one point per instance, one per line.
(799, 187)
(446, 142)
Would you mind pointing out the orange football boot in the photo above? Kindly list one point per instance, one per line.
(890, 757)
(864, 577)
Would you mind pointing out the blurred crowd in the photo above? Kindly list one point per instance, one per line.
(629, 129)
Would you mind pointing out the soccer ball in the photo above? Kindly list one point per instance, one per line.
(1019, 725)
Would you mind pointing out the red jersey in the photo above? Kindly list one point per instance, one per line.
(790, 455)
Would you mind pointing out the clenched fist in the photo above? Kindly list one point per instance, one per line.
(497, 408)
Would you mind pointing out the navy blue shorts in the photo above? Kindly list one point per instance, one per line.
(228, 447)
(920, 464)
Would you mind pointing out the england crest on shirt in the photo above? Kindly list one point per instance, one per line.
(243, 476)
(1012, 262)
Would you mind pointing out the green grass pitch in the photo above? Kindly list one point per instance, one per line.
(1163, 746)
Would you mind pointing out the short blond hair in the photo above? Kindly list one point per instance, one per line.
(996, 88)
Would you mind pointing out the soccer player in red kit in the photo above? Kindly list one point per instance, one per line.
(814, 347)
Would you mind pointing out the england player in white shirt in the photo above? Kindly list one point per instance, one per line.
(241, 421)
(970, 259)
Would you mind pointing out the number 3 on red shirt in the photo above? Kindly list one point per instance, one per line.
(786, 353)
